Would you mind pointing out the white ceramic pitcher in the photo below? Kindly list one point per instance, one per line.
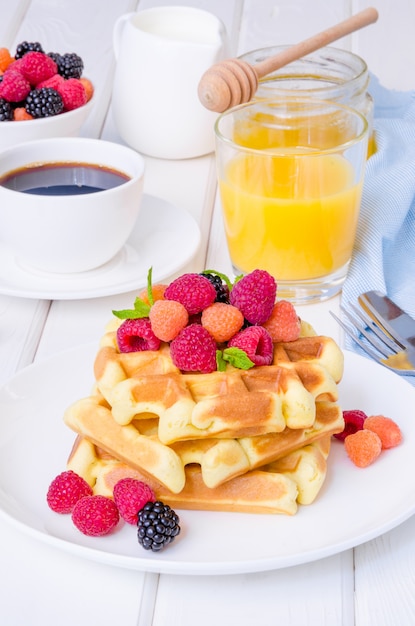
(161, 54)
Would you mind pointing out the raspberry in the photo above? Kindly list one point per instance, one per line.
(136, 336)
(158, 525)
(157, 291)
(131, 495)
(52, 83)
(194, 350)
(37, 67)
(65, 490)
(254, 295)
(20, 114)
(387, 430)
(72, 93)
(14, 87)
(363, 447)
(5, 59)
(283, 323)
(95, 515)
(256, 342)
(168, 318)
(222, 321)
(353, 421)
(194, 291)
(89, 88)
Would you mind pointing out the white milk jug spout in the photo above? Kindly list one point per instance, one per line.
(161, 54)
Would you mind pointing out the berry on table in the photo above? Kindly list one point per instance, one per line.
(194, 350)
(158, 525)
(95, 516)
(65, 490)
(37, 67)
(14, 87)
(44, 102)
(168, 318)
(89, 89)
(5, 59)
(136, 335)
(283, 323)
(72, 93)
(131, 495)
(6, 111)
(222, 321)
(26, 46)
(194, 291)
(221, 288)
(20, 114)
(256, 342)
(70, 64)
(254, 295)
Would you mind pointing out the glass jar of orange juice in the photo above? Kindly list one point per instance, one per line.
(326, 74)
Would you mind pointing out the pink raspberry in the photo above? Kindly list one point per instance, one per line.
(130, 495)
(194, 350)
(136, 336)
(256, 342)
(353, 421)
(194, 291)
(37, 67)
(72, 93)
(254, 295)
(51, 83)
(14, 87)
(95, 515)
(283, 324)
(65, 490)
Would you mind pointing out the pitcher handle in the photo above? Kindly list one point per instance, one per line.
(117, 32)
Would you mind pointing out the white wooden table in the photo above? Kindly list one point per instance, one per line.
(372, 585)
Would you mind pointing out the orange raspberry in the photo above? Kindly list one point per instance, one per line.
(387, 430)
(363, 447)
(158, 293)
(20, 114)
(167, 318)
(222, 321)
(5, 59)
(283, 323)
(88, 86)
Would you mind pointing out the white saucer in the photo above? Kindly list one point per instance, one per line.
(164, 238)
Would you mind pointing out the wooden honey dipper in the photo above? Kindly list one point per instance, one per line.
(234, 81)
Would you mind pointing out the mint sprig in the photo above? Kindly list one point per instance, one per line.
(141, 308)
(236, 357)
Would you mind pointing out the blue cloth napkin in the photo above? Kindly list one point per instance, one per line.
(384, 252)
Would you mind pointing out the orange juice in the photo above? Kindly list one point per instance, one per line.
(294, 215)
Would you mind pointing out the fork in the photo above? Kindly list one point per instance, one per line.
(382, 348)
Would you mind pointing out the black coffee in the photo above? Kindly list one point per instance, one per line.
(63, 179)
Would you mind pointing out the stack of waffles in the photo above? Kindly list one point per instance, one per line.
(252, 440)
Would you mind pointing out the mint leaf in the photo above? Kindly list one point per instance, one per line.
(220, 361)
(150, 286)
(237, 358)
(141, 309)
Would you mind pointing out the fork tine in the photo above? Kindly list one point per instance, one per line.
(356, 339)
(379, 346)
(377, 330)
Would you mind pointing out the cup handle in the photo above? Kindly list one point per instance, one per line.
(117, 32)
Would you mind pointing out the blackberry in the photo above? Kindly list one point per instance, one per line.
(44, 102)
(158, 525)
(221, 288)
(27, 46)
(6, 111)
(70, 65)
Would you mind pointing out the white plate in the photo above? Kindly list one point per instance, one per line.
(164, 238)
(352, 507)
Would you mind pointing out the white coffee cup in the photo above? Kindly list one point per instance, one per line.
(161, 55)
(71, 232)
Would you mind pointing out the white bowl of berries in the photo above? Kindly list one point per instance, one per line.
(42, 95)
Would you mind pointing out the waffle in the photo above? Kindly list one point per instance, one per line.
(231, 404)
(273, 489)
(137, 444)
